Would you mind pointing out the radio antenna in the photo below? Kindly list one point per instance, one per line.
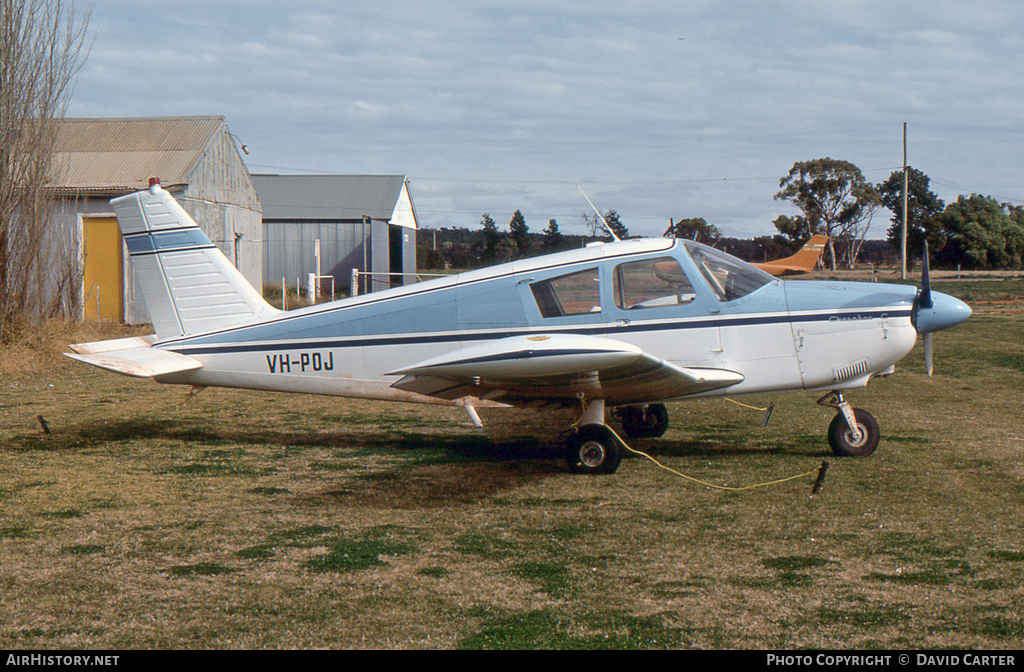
(600, 216)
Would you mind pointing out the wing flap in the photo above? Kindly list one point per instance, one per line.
(436, 386)
(653, 378)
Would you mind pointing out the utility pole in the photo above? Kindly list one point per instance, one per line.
(903, 244)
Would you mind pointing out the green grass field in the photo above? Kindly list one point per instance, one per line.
(243, 520)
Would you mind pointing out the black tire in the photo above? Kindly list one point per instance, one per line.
(841, 438)
(639, 423)
(593, 449)
(657, 420)
(632, 419)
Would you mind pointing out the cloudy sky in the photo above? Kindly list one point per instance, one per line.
(657, 109)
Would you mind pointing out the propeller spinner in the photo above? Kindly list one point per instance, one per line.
(934, 311)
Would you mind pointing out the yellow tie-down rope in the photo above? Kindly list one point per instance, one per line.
(767, 410)
(820, 471)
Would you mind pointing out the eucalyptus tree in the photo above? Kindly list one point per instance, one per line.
(835, 199)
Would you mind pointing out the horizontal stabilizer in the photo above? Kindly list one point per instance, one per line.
(132, 357)
(113, 344)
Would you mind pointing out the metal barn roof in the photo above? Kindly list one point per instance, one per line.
(120, 154)
(328, 197)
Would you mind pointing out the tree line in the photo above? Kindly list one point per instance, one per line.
(974, 232)
(461, 248)
(833, 197)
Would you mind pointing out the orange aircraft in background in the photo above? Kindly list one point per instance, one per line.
(804, 261)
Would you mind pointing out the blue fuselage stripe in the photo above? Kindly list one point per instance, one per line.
(372, 300)
(400, 339)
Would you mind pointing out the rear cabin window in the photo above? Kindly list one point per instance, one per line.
(651, 283)
(573, 294)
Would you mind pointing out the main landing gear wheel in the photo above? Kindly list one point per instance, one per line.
(644, 423)
(593, 449)
(842, 440)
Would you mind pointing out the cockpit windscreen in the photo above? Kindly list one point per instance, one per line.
(730, 278)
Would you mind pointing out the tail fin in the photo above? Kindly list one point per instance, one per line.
(808, 255)
(804, 261)
(189, 285)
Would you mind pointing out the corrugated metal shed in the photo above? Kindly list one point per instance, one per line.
(363, 222)
(196, 158)
(119, 155)
(336, 198)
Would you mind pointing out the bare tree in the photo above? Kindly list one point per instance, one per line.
(42, 48)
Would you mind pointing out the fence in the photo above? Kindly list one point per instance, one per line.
(377, 284)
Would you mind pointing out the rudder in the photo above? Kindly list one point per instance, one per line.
(189, 285)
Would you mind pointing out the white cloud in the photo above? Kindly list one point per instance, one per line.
(494, 107)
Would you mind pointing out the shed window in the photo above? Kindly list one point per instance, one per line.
(574, 294)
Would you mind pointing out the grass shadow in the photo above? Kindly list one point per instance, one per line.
(802, 445)
(436, 484)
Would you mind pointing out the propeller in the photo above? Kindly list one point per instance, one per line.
(928, 353)
(924, 302)
(934, 311)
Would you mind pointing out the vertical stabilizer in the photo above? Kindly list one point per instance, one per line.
(189, 285)
(808, 255)
(804, 261)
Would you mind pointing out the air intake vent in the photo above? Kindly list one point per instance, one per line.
(850, 371)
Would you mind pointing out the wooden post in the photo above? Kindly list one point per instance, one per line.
(903, 244)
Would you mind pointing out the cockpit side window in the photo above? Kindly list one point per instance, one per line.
(573, 294)
(728, 277)
(651, 283)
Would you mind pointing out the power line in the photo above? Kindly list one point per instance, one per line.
(962, 190)
(479, 180)
(623, 183)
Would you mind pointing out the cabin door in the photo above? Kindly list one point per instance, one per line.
(103, 285)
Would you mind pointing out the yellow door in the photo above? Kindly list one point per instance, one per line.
(104, 271)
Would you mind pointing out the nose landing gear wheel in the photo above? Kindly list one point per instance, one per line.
(593, 450)
(845, 444)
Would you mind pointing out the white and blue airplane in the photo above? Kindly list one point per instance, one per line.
(619, 327)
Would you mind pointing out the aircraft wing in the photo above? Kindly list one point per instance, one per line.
(132, 357)
(558, 368)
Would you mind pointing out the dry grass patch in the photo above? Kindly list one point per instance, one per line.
(242, 520)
